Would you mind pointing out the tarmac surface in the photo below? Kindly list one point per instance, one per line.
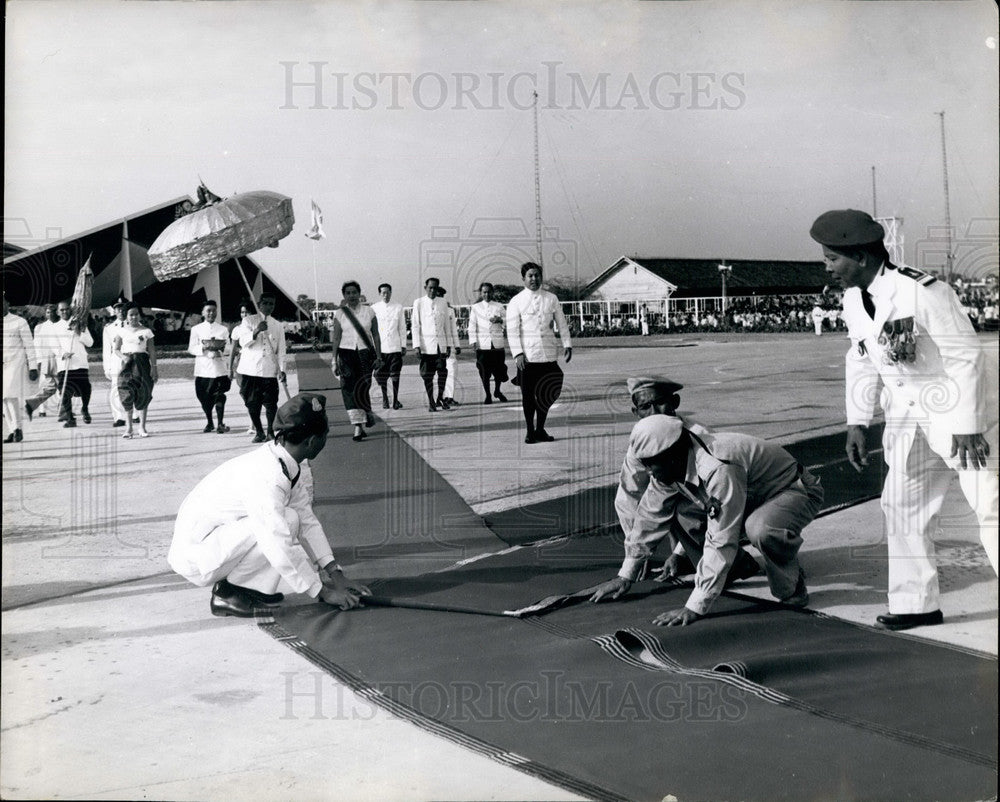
(118, 684)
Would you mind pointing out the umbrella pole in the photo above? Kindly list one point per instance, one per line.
(256, 306)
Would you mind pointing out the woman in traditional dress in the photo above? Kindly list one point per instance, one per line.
(133, 344)
(356, 348)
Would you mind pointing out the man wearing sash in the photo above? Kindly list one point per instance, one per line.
(356, 349)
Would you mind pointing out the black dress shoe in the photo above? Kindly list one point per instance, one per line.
(370, 420)
(543, 436)
(209, 427)
(9, 438)
(487, 400)
(530, 439)
(385, 403)
(70, 424)
(222, 428)
(432, 408)
(260, 437)
(86, 416)
(499, 396)
(396, 404)
(454, 403)
(235, 606)
(226, 589)
(18, 437)
(118, 423)
(897, 621)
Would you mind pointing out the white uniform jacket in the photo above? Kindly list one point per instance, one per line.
(254, 486)
(391, 326)
(530, 316)
(264, 354)
(111, 363)
(65, 340)
(430, 325)
(486, 321)
(18, 355)
(729, 478)
(208, 364)
(942, 389)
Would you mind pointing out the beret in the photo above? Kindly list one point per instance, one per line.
(654, 435)
(846, 227)
(637, 383)
(300, 410)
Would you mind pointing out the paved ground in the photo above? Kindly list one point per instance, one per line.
(119, 685)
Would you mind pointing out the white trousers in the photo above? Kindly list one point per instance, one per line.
(917, 481)
(449, 384)
(115, 400)
(229, 552)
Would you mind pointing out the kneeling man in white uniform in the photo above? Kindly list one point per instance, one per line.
(249, 523)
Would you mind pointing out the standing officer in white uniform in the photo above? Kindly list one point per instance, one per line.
(908, 331)
(262, 365)
(249, 524)
(19, 367)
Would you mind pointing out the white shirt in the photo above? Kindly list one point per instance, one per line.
(431, 325)
(65, 341)
(208, 364)
(17, 344)
(486, 321)
(263, 354)
(530, 316)
(45, 343)
(391, 326)
(350, 340)
(253, 486)
(134, 341)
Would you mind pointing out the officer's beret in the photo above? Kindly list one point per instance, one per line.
(302, 410)
(846, 227)
(637, 383)
(654, 435)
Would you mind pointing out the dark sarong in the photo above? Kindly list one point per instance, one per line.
(490, 364)
(211, 391)
(392, 364)
(542, 381)
(258, 391)
(135, 382)
(356, 378)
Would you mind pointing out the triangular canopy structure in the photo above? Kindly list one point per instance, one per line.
(118, 254)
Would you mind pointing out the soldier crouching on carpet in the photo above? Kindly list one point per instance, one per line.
(249, 523)
(744, 484)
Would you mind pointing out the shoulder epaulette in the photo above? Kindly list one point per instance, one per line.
(917, 275)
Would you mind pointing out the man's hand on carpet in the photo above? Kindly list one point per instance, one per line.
(613, 588)
(677, 618)
(339, 591)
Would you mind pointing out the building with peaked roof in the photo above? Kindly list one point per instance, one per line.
(38, 273)
(640, 278)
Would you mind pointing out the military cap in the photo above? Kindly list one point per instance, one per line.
(654, 435)
(299, 411)
(637, 383)
(845, 228)
(121, 300)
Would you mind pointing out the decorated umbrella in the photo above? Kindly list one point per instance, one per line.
(221, 229)
(79, 312)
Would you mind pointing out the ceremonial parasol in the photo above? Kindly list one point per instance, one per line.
(221, 229)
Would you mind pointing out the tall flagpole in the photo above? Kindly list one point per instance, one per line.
(538, 189)
(947, 201)
(315, 282)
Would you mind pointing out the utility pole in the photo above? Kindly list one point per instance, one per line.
(947, 201)
(538, 188)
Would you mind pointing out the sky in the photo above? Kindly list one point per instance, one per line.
(666, 129)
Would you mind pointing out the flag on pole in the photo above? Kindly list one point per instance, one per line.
(316, 229)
